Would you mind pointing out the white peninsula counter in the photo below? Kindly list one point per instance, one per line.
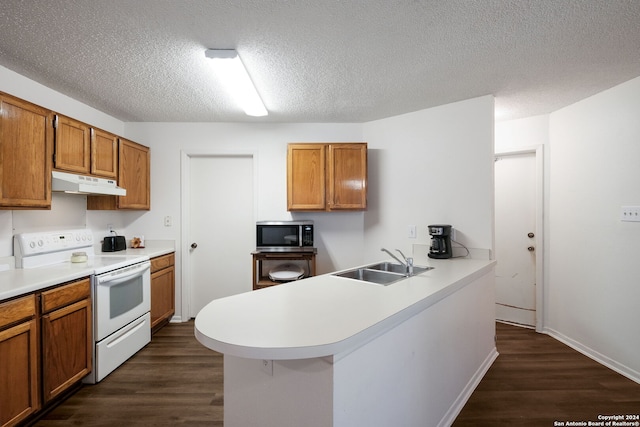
(330, 351)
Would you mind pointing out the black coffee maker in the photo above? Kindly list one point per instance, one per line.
(440, 241)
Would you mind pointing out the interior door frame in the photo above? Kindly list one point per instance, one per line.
(185, 203)
(538, 151)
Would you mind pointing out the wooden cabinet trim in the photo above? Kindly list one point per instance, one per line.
(162, 261)
(65, 294)
(16, 310)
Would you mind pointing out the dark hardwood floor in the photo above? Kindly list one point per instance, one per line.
(537, 380)
(173, 381)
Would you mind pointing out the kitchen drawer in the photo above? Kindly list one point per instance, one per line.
(65, 295)
(164, 261)
(16, 310)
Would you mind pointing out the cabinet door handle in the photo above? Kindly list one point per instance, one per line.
(194, 245)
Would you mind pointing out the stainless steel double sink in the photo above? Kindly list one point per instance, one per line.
(382, 273)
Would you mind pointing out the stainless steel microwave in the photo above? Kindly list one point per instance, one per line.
(284, 236)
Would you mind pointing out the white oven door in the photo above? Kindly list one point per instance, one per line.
(121, 296)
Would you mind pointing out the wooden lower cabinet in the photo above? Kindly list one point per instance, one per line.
(162, 291)
(19, 374)
(67, 338)
(45, 348)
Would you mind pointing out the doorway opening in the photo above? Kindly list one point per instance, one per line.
(519, 238)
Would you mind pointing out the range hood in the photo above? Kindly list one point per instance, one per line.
(80, 184)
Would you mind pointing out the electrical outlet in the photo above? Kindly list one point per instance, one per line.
(412, 232)
(109, 229)
(167, 221)
(630, 213)
(267, 367)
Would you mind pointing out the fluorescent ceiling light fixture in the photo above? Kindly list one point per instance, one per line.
(229, 67)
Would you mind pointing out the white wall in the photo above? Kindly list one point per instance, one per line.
(522, 133)
(432, 166)
(591, 170)
(594, 274)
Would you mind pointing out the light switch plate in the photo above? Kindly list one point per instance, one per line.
(412, 231)
(630, 213)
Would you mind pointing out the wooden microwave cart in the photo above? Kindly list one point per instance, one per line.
(261, 276)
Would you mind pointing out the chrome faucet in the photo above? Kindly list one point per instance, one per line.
(408, 262)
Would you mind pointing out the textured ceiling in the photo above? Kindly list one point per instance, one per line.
(322, 60)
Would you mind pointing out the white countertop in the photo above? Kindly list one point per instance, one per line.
(16, 282)
(325, 315)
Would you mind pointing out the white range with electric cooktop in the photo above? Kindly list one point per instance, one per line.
(120, 291)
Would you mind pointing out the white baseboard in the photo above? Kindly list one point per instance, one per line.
(466, 393)
(592, 354)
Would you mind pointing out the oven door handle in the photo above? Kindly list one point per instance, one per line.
(112, 280)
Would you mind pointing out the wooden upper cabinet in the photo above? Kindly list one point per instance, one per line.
(134, 175)
(26, 147)
(72, 151)
(326, 177)
(306, 177)
(104, 154)
(84, 150)
(347, 176)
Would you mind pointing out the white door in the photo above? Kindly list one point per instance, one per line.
(515, 228)
(221, 227)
